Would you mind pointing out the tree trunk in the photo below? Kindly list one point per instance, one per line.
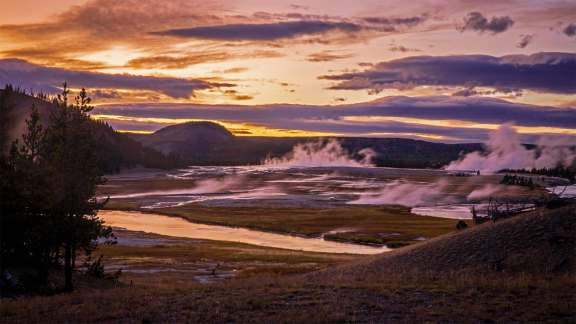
(68, 268)
(2, 265)
(43, 266)
(73, 256)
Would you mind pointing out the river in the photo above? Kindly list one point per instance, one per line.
(178, 227)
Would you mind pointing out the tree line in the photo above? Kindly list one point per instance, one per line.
(568, 173)
(48, 204)
(516, 180)
(115, 151)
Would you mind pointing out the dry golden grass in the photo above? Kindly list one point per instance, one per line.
(366, 224)
(292, 299)
(367, 290)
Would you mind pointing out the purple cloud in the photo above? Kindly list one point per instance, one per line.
(542, 72)
(48, 79)
(570, 30)
(475, 21)
(525, 40)
(365, 118)
(262, 32)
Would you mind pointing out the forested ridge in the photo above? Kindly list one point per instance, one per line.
(114, 151)
(48, 204)
(53, 156)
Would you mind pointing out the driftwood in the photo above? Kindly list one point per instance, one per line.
(500, 209)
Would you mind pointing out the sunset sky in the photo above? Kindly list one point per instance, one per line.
(446, 70)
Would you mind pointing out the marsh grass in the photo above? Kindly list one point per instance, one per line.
(366, 224)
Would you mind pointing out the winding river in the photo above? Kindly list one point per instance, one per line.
(178, 227)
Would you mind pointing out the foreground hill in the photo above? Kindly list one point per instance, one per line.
(515, 271)
(115, 150)
(208, 143)
(537, 243)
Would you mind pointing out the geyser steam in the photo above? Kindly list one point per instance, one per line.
(406, 194)
(505, 151)
(322, 153)
(206, 186)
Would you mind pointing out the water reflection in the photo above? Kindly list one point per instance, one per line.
(177, 227)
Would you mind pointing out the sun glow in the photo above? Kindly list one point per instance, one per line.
(460, 124)
(238, 129)
(114, 56)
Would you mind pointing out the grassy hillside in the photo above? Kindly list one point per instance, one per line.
(542, 242)
(206, 143)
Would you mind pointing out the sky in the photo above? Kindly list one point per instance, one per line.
(444, 70)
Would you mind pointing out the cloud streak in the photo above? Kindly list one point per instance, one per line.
(262, 32)
(443, 118)
(541, 72)
(200, 57)
(48, 79)
(327, 56)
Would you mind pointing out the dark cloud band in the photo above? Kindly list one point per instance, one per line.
(47, 79)
(542, 72)
(384, 116)
(262, 32)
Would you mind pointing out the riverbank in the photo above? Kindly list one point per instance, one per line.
(152, 259)
(350, 205)
(178, 227)
(369, 225)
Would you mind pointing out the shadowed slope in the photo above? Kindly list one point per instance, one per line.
(540, 242)
(190, 140)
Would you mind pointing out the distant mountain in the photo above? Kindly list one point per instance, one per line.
(115, 151)
(206, 143)
(189, 139)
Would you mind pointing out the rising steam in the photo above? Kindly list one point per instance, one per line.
(207, 186)
(505, 151)
(322, 153)
(406, 194)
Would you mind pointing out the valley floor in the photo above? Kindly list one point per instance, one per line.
(307, 202)
(514, 271)
(295, 299)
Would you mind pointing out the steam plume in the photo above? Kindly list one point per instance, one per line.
(405, 194)
(505, 151)
(201, 187)
(328, 153)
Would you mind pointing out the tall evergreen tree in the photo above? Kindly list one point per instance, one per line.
(73, 168)
(48, 180)
(5, 111)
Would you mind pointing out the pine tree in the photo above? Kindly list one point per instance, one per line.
(5, 110)
(75, 175)
(48, 180)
